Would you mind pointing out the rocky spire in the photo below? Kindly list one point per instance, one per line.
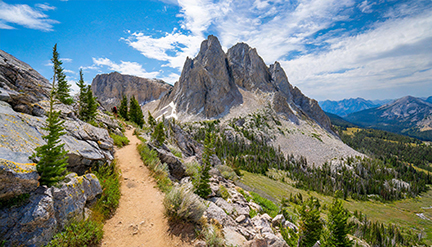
(205, 85)
(248, 69)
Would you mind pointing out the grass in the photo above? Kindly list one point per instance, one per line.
(159, 171)
(90, 232)
(119, 141)
(402, 213)
(84, 233)
(268, 206)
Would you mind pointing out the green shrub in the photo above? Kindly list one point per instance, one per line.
(243, 193)
(268, 206)
(109, 178)
(227, 172)
(223, 192)
(182, 204)
(213, 236)
(119, 141)
(84, 233)
(158, 170)
(290, 237)
(252, 213)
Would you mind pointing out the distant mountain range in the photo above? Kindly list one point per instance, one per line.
(408, 115)
(347, 106)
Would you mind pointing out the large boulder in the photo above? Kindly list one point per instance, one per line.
(176, 168)
(48, 211)
(17, 178)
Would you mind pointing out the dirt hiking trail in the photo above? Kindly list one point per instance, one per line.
(139, 219)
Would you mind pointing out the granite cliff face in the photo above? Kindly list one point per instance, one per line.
(110, 88)
(211, 84)
(206, 85)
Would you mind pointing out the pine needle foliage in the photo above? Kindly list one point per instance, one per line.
(135, 112)
(53, 159)
(203, 187)
(151, 121)
(123, 109)
(158, 134)
(338, 226)
(82, 95)
(63, 88)
(87, 102)
(311, 225)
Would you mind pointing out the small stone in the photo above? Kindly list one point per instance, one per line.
(241, 218)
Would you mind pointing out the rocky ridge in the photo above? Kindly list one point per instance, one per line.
(213, 83)
(110, 88)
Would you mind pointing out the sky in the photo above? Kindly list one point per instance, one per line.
(330, 49)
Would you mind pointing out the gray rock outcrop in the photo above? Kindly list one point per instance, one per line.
(17, 178)
(48, 211)
(20, 85)
(22, 133)
(110, 88)
(206, 86)
(176, 168)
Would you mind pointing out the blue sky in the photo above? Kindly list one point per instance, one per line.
(330, 49)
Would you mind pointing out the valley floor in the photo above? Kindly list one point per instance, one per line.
(402, 212)
(139, 219)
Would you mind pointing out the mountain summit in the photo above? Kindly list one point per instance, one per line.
(214, 84)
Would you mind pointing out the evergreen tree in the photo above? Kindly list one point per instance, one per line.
(135, 112)
(338, 226)
(123, 109)
(151, 121)
(52, 156)
(82, 96)
(310, 223)
(91, 105)
(63, 88)
(203, 187)
(158, 134)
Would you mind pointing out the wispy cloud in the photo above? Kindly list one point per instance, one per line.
(45, 6)
(128, 68)
(26, 16)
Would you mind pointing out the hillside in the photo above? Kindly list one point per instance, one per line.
(239, 85)
(408, 115)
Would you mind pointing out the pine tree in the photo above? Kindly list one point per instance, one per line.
(91, 105)
(158, 134)
(338, 226)
(123, 109)
(203, 187)
(310, 223)
(53, 159)
(82, 106)
(135, 112)
(63, 88)
(151, 121)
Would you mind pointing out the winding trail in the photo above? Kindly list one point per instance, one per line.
(139, 219)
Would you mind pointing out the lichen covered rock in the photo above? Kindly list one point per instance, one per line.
(48, 211)
(17, 178)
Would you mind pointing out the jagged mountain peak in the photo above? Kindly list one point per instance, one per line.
(211, 84)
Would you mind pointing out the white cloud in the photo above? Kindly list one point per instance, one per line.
(171, 79)
(394, 54)
(366, 7)
(24, 15)
(45, 6)
(70, 71)
(128, 68)
(67, 60)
